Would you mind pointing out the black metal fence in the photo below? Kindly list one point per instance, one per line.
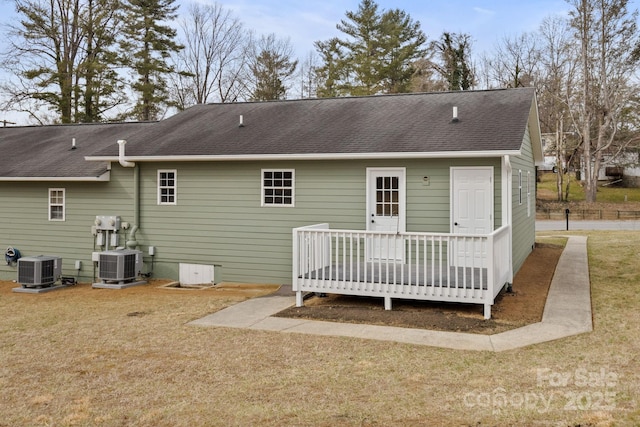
(609, 214)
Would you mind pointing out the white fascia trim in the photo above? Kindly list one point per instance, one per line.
(101, 178)
(314, 156)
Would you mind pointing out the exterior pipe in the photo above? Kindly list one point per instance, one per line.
(136, 195)
(121, 159)
(131, 243)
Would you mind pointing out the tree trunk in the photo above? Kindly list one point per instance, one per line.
(590, 190)
(559, 157)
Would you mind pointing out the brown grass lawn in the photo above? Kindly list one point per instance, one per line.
(94, 357)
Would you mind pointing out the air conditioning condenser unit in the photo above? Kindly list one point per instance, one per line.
(120, 265)
(39, 271)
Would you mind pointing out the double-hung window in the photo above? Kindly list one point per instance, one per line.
(56, 204)
(278, 187)
(167, 187)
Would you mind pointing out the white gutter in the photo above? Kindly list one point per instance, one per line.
(100, 178)
(121, 159)
(309, 156)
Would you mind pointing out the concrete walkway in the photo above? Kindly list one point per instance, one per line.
(567, 312)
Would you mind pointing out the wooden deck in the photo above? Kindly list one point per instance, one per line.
(421, 266)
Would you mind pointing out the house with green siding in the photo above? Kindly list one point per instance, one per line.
(257, 190)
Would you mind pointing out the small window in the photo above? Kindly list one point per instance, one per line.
(520, 187)
(528, 193)
(278, 187)
(167, 187)
(56, 204)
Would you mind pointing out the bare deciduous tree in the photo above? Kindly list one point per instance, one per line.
(308, 77)
(608, 37)
(556, 90)
(514, 61)
(60, 52)
(213, 62)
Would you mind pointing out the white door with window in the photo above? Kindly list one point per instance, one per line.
(386, 207)
(471, 210)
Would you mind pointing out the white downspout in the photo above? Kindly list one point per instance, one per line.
(507, 210)
(121, 159)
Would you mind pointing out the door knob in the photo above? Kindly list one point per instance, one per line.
(455, 223)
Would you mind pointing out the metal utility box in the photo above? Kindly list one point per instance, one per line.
(107, 222)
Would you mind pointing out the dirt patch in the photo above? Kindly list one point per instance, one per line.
(523, 306)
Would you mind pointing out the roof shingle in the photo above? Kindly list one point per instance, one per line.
(489, 121)
(407, 123)
(46, 151)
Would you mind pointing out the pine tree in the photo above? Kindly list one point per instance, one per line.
(376, 56)
(364, 46)
(149, 42)
(271, 68)
(402, 39)
(103, 88)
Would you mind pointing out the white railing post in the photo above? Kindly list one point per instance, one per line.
(295, 285)
(489, 295)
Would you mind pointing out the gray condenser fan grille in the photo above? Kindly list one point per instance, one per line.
(118, 266)
(37, 271)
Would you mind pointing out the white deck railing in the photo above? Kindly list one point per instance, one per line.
(420, 266)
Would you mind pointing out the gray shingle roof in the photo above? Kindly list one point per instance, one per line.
(45, 151)
(488, 121)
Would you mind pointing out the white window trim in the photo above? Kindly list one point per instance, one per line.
(50, 205)
(293, 189)
(175, 186)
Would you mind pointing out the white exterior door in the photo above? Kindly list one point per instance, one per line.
(386, 207)
(471, 210)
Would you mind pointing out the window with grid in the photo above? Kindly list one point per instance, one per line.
(167, 187)
(278, 187)
(56, 204)
(387, 195)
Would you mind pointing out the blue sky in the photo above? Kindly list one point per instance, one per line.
(486, 20)
(306, 21)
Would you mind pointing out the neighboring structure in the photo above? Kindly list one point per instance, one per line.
(226, 184)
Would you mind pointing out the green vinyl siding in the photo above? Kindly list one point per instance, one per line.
(218, 218)
(523, 221)
(24, 222)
